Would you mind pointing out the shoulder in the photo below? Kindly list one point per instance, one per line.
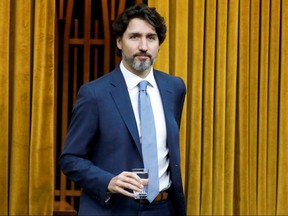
(102, 84)
(169, 80)
(165, 75)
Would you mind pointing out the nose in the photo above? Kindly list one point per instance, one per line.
(143, 45)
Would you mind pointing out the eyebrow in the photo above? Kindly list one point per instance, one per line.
(139, 34)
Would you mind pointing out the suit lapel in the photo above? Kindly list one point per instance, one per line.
(121, 98)
(166, 94)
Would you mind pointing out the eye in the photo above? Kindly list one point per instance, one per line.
(133, 37)
(152, 37)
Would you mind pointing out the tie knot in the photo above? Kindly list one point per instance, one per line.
(143, 85)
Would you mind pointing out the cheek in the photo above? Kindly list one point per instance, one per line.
(154, 52)
(154, 47)
(128, 50)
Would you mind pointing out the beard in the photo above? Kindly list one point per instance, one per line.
(139, 65)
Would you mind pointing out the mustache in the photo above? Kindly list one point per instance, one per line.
(143, 54)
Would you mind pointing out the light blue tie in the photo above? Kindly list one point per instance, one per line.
(148, 140)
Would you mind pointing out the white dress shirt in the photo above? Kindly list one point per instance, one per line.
(132, 82)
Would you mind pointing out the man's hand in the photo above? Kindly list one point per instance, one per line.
(124, 181)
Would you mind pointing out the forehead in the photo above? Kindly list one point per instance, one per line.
(139, 26)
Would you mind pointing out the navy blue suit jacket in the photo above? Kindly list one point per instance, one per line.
(102, 141)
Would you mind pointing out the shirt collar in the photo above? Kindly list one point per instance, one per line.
(133, 80)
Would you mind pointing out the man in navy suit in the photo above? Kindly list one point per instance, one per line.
(103, 142)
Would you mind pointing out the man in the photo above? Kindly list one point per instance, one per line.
(104, 139)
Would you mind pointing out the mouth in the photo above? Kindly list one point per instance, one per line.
(142, 56)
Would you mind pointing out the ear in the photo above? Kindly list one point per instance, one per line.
(119, 43)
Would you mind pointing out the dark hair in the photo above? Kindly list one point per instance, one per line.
(141, 11)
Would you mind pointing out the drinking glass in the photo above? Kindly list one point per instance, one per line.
(143, 174)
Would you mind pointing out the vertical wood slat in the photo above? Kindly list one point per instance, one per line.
(61, 9)
(105, 17)
(96, 35)
(56, 56)
(121, 6)
(112, 10)
(87, 27)
(120, 10)
(56, 86)
(64, 125)
(75, 61)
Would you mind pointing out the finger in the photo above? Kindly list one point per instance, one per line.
(128, 184)
(118, 183)
(130, 175)
(123, 191)
(145, 181)
(126, 193)
(130, 180)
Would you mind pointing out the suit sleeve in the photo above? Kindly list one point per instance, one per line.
(181, 99)
(73, 160)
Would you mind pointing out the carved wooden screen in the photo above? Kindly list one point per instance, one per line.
(84, 51)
